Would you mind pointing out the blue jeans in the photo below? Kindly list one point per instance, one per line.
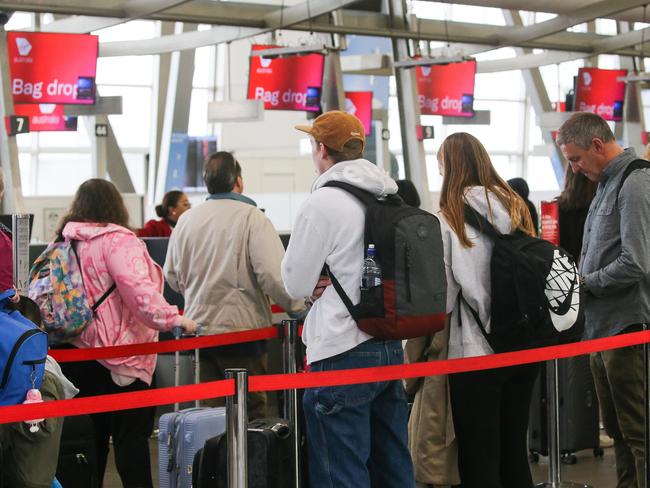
(357, 434)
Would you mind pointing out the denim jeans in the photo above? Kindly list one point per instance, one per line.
(357, 434)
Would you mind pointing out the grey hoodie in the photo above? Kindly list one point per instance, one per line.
(329, 229)
(469, 269)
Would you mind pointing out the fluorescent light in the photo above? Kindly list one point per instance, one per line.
(236, 111)
(291, 50)
(636, 77)
(411, 63)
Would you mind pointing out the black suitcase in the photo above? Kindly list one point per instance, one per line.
(269, 457)
(77, 466)
(579, 417)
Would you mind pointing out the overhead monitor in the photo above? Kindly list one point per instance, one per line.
(52, 68)
(287, 83)
(599, 92)
(447, 89)
(46, 117)
(359, 103)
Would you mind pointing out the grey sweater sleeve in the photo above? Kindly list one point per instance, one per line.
(633, 263)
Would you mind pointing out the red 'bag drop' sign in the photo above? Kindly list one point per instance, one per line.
(600, 93)
(52, 68)
(447, 89)
(550, 222)
(289, 83)
(359, 104)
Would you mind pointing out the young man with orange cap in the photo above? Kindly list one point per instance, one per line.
(356, 434)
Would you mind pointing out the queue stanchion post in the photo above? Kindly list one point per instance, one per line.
(197, 364)
(177, 332)
(20, 248)
(237, 429)
(553, 423)
(290, 344)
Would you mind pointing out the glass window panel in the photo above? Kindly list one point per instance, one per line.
(125, 70)
(609, 61)
(507, 85)
(26, 163)
(198, 125)
(557, 91)
(61, 174)
(541, 176)
(505, 166)
(134, 30)
(135, 163)
(76, 139)
(19, 20)
(132, 128)
(203, 75)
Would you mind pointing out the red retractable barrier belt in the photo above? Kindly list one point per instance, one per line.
(450, 366)
(214, 389)
(117, 401)
(89, 354)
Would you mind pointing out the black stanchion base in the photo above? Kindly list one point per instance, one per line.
(562, 484)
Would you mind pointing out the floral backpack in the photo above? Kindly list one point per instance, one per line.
(56, 285)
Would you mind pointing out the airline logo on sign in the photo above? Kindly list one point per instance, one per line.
(600, 92)
(52, 68)
(23, 45)
(287, 83)
(46, 117)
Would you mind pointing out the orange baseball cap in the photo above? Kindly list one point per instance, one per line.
(335, 129)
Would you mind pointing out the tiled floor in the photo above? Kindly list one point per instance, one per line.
(597, 472)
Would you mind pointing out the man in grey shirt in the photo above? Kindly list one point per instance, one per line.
(615, 266)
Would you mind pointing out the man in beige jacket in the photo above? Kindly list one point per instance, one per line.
(224, 257)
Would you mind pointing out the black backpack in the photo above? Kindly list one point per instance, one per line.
(535, 288)
(411, 301)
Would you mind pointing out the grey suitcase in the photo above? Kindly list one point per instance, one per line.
(181, 435)
(183, 432)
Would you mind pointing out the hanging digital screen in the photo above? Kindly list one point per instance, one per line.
(359, 104)
(46, 117)
(599, 92)
(447, 89)
(52, 67)
(287, 83)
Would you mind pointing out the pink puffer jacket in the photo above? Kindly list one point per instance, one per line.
(136, 310)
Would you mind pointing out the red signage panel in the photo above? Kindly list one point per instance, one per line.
(289, 83)
(600, 93)
(359, 104)
(550, 214)
(447, 89)
(46, 117)
(52, 68)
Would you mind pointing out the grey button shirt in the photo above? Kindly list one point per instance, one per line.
(616, 251)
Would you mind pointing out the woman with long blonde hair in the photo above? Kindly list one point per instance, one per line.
(490, 408)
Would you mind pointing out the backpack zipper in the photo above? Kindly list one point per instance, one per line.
(14, 351)
(407, 271)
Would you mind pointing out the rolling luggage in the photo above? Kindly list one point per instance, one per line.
(269, 457)
(77, 466)
(182, 433)
(579, 419)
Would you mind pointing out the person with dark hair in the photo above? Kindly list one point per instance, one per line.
(573, 205)
(406, 189)
(615, 270)
(109, 254)
(174, 204)
(224, 257)
(520, 186)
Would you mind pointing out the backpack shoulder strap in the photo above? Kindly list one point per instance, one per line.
(341, 293)
(480, 223)
(633, 166)
(365, 197)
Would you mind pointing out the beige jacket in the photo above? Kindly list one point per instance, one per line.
(224, 257)
(432, 440)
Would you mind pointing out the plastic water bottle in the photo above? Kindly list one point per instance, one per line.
(371, 275)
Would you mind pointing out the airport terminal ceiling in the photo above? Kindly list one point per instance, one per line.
(358, 17)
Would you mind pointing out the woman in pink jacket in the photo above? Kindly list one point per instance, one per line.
(110, 253)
